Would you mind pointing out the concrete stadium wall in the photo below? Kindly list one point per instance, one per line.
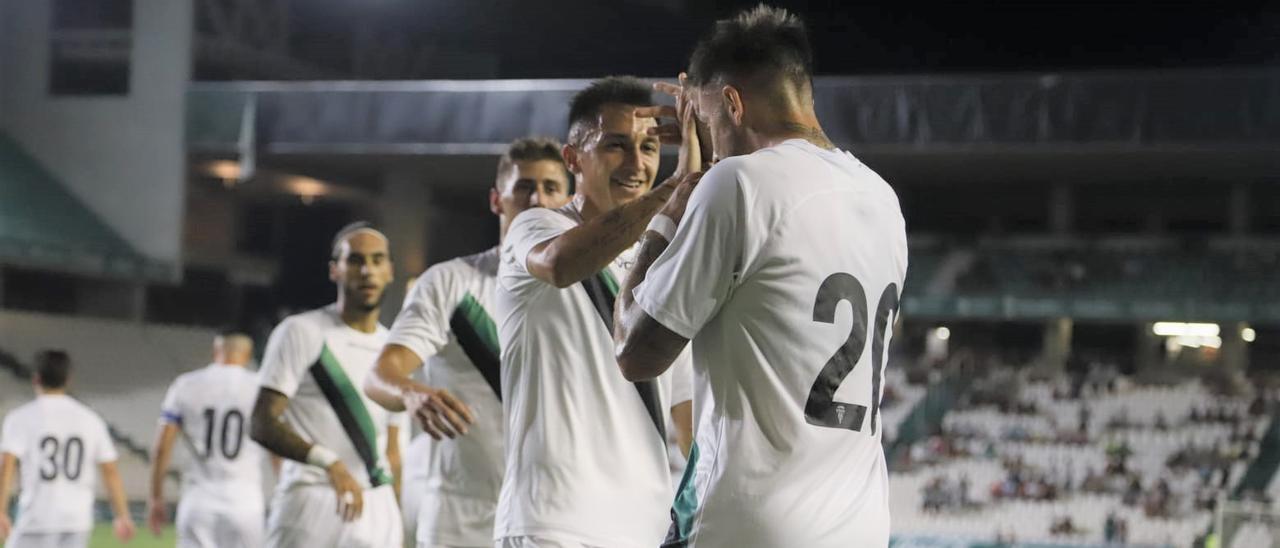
(122, 156)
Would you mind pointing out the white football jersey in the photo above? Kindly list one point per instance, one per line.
(320, 363)
(212, 407)
(59, 443)
(785, 272)
(585, 449)
(447, 320)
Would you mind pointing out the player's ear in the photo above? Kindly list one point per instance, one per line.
(333, 271)
(570, 154)
(733, 104)
(495, 202)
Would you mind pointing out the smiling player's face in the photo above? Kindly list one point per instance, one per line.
(618, 161)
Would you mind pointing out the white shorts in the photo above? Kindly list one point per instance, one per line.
(18, 539)
(537, 542)
(306, 516)
(210, 523)
(410, 501)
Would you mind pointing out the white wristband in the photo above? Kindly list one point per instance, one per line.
(663, 225)
(321, 456)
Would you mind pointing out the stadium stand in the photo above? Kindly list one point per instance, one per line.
(1027, 460)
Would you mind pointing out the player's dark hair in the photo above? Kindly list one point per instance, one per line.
(529, 149)
(53, 367)
(761, 41)
(586, 104)
(346, 232)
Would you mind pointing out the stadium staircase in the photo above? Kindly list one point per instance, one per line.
(926, 417)
(1262, 470)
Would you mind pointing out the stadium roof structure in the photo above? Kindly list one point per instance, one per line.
(42, 225)
(1143, 123)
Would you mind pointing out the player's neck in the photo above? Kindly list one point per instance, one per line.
(51, 391)
(364, 321)
(801, 124)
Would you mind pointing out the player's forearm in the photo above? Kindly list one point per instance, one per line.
(7, 465)
(276, 436)
(160, 451)
(586, 249)
(271, 433)
(390, 378)
(641, 352)
(115, 490)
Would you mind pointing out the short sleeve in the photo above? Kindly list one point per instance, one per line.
(691, 279)
(290, 351)
(422, 325)
(12, 435)
(530, 228)
(106, 450)
(170, 409)
(681, 373)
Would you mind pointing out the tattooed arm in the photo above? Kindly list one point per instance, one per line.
(586, 249)
(273, 434)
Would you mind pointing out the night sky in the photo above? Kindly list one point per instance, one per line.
(588, 38)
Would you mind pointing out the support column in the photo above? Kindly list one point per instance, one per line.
(1238, 212)
(1062, 209)
(1149, 351)
(405, 203)
(1057, 344)
(1233, 357)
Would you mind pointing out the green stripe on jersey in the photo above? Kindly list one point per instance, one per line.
(347, 404)
(685, 506)
(478, 338)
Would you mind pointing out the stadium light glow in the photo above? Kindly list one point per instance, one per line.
(1248, 334)
(942, 333)
(1180, 329)
(1194, 341)
(226, 170)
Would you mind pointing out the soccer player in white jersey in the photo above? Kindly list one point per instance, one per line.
(58, 441)
(221, 505)
(336, 486)
(784, 266)
(586, 457)
(447, 321)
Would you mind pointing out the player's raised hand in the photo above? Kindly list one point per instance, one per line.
(439, 412)
(157, 516)
(350, 496)
(683, 128)
(123, 526)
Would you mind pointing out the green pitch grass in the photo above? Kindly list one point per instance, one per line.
(103, 538)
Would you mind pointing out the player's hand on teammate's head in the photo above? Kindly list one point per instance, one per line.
(350, 495)
(438, 411)
(157, 516)
(123, 526)
(683, 129)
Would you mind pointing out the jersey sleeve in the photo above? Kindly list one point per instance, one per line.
(422, 325)
(530, 228)
(13, 435)
(691, 279)
(170, 409)
(291, 349)
(106, 447)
